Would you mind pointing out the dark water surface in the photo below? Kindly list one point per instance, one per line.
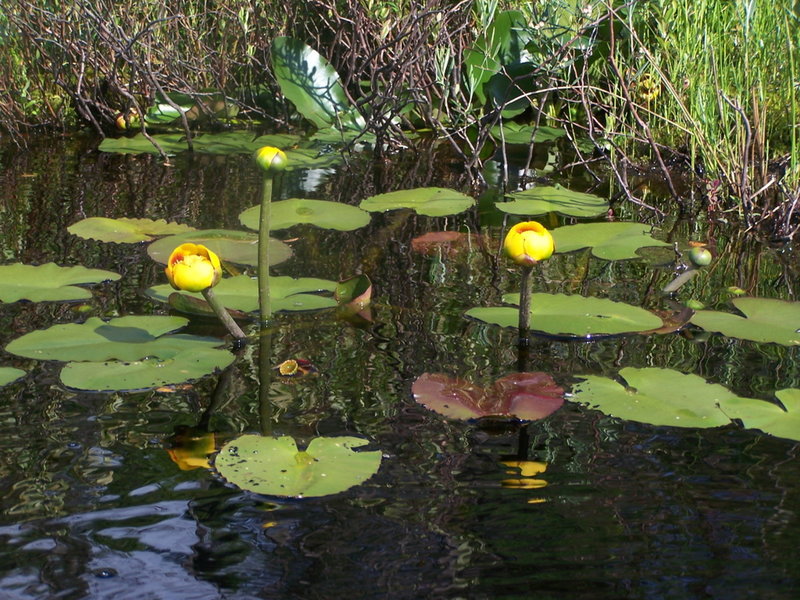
(93, 507)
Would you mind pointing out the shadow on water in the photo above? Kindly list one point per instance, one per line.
(581, 506)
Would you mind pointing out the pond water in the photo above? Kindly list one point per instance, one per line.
(93, 506)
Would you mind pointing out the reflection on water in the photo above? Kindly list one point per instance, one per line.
(96, 503)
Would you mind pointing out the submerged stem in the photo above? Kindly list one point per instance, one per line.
(525, 304)
(224, 316)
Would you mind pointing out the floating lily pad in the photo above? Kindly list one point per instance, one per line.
(545, 199)
(240, 247)
(446, 243)
(765, 320)
(562, 315)
(10, 375)
(322, 213)
(766, 416)
(526, 396)
(48, 282)
(240, 142)
(124, 230)
(241, 293)
(516, 133)
(609, 241)
(187, 365)
(124, 338)
(311, 158)
(431, 201)
(275, 467)
(171, 144)
(658, 397)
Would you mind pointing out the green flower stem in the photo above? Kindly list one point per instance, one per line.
(263, 251)
(525, 304)
(224, 316)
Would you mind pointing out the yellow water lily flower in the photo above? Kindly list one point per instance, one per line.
(271, 159)
(193, 268)
(528, 243)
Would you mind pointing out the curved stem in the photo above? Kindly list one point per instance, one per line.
(224, 316)
(525, 304)
(263, 252)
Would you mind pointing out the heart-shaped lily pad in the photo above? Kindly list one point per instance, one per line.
(275, 467)
(241, 293)
(526, 396)
(520, 133)
(124, 338)
(609, 241)
(187, 365)
(545, 199)
(322, 213)
(765, 320)
(48, 282)
(124, 230)
(766, 416)
(578, 316)
(657, 396)
(429, 201)
(239, 247)
(10, 375)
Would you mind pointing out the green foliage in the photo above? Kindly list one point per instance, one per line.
(765, 320)
(609, 241)
(432, 202)
(124, 230)
(48, 282)
(321, 213)
(541, 200)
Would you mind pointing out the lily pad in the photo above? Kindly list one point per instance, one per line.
(10, 375)
(241, 293)
(658, 397)
(766, 416)
(609, 241)
(574, 316)
(240, 142)
(430, 201)
(187, 365)
(322, 213)
(239, 247)
(171, 144)
(526, 396)
(124, 338)
(545, 199)
(447, 243)
(275, 467)
(518, 133)
(124, 230)
(48, 282)
(765, 320)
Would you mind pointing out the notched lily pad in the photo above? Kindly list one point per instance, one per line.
(767, 416)
(609, 241)
(321, 213)
(275, 466)
(170, 143)
(525, 396)
(545, 199)
(765, 320)
(239, 247)
(48, 282)
(429, 201)
(10, 375)
(124, 230)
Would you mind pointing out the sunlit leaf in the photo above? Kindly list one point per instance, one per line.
(609, 241)
(513, 88)
(321, 213)
(124, 338)
(124, 230)
(189, 364)
(275, 467)
(765, 320)
(239, 247)
(10, 375)
(563, 315)
(526, 396)
(430, 201)
(545, 199)
(766, 416)
(48, 282)
(170, 143)
(520, 133)
(656, 396)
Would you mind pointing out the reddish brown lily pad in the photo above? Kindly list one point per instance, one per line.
(449, 243)
(526, 396)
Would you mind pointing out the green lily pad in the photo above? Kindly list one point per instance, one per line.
(239, 247)
(124, 338)
(240, 142)
(10, 375)
(312, 158)
(573, 316)
(124, 230)
(541, 200)
(430, 201)
(658, 397)
(322, 213)
(241, 293)
(275, 467)
(765, 320)
(48, 282)
(609, 241)
(171, 144)
(519, 133)
(187, 365)
(766, 416)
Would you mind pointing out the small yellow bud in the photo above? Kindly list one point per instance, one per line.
(528, 243)
(193, 268)
(271, 159)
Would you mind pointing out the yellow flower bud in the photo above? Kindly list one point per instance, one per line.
(528, 243)
(271, 159)
(193, 268)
